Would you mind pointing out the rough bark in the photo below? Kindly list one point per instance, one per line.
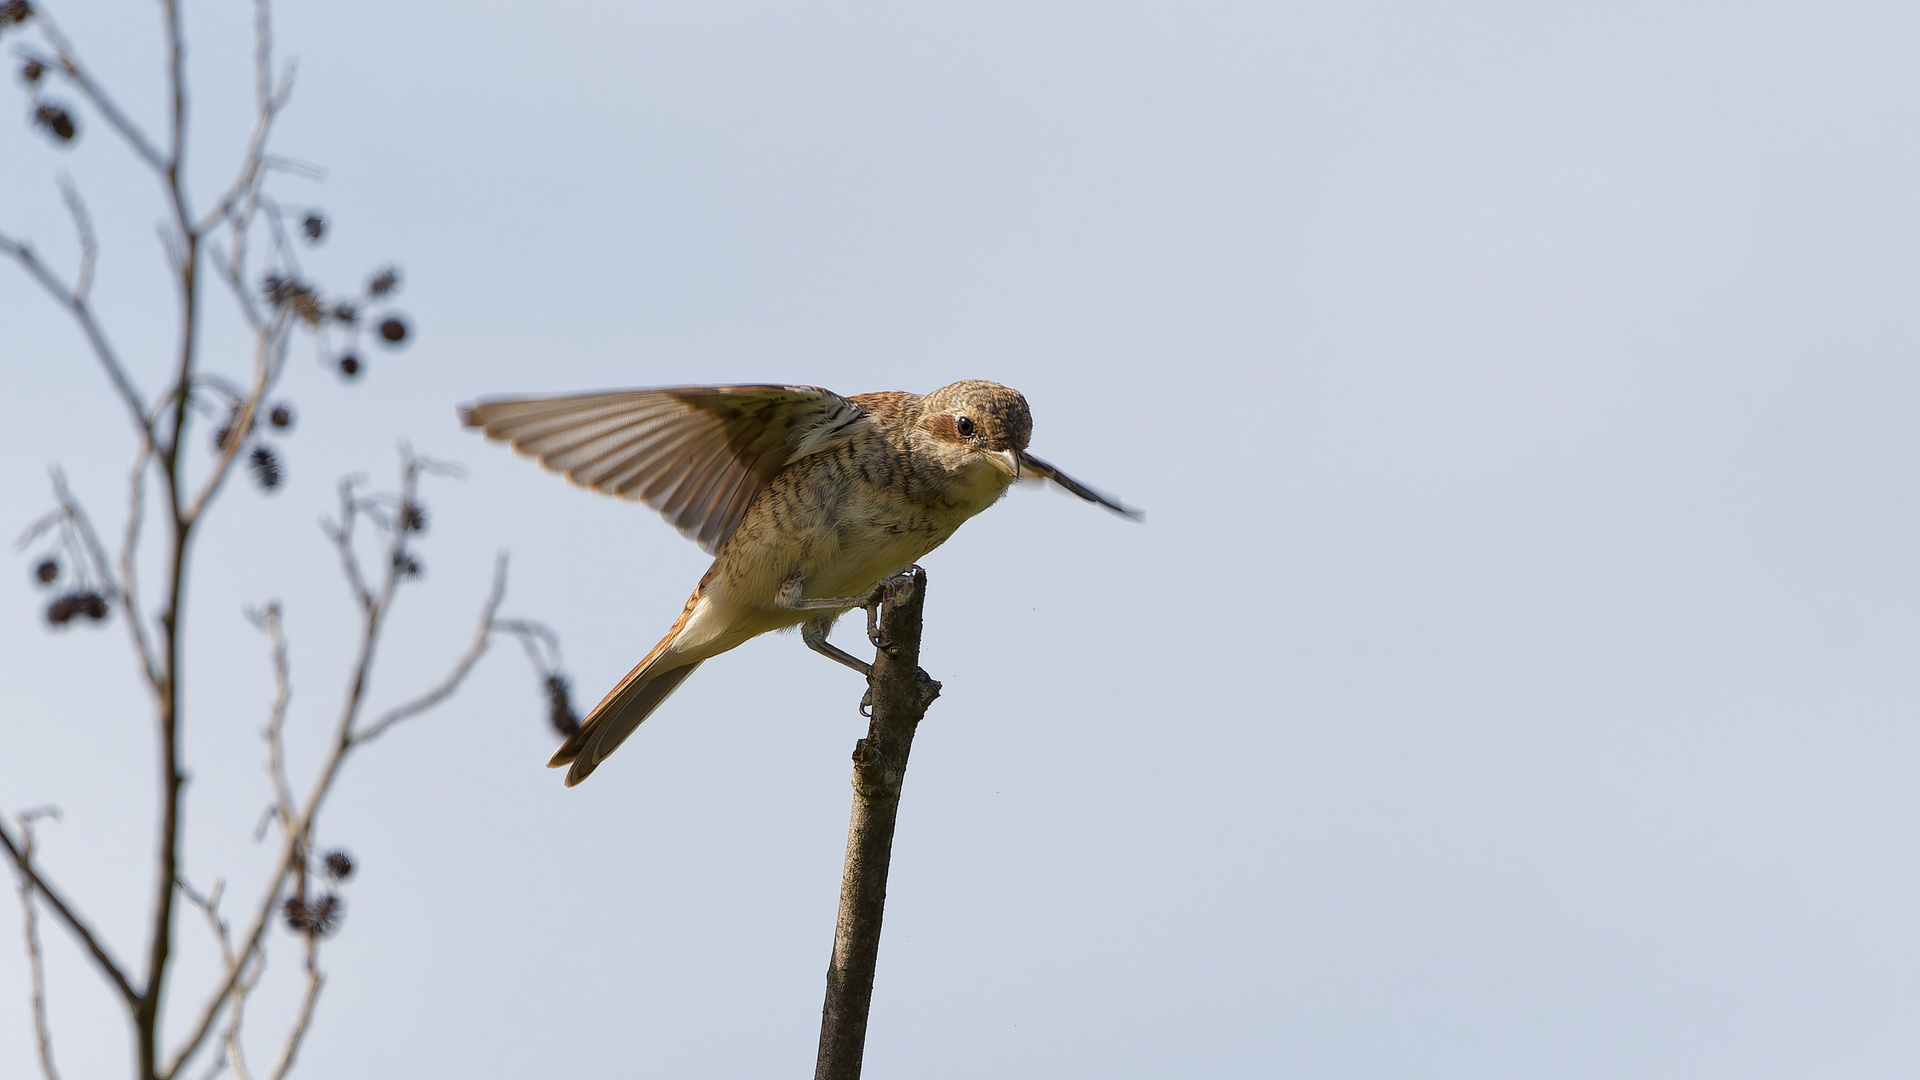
(899, 693)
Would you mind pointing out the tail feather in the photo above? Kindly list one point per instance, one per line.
(657, 675)
(616, 717)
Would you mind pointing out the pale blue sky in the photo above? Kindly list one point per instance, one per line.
(1514, 676)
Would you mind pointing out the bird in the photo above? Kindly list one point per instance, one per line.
(807, 500)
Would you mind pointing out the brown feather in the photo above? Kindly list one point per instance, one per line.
(697, 454)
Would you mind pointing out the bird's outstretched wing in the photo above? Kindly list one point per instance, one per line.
(697, 454)
(1041, 468)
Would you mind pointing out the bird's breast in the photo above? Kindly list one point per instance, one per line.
(841, 522)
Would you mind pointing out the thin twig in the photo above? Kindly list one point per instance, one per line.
(346, 735)
(83, 225)
(262, 54)
(67, 62)
(269, 360)
(163, 425)
(43, 1035)
(209, 906)
(77, 514)
(533, 637)
(129, 565)
(230, 273)
(23, 862)
(255, 162)
(235, 1055)
(245, 195)
(268, 620)
(341, 533)
(316, 980)
(177, 82)
(22, 252)
(481, 637)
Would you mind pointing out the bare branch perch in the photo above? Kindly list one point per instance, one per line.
(899, 693)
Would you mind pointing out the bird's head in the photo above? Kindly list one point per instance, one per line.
(977, 420)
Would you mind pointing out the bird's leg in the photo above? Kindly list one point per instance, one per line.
(814, 632)
(789, 597)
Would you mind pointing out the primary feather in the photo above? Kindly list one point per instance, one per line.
(697, 454)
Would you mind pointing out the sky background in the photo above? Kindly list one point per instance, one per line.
(1514, 676)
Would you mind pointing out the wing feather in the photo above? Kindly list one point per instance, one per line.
(697, 454)
(683, 506)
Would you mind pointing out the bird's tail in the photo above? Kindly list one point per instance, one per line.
(658, 674)
(617, 715)
(688, 643)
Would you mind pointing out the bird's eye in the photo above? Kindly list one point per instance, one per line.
(965, 427)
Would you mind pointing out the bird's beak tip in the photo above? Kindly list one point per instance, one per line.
(1007, 461)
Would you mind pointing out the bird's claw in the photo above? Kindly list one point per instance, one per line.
(876, 600)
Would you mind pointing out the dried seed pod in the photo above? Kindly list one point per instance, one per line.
(294, 295)
(407, 566)
(266, 467)
(47, 572)
(314, 225)
(350, 366)
(32, 70)
(57, 120)
(226, 436)
(80, 602)
(393, 329)
(413, 518)
(15, 11)
(62, 610)
(320, 918)
(339, 865)
(384, 280)
(324, 915)
(281, 416)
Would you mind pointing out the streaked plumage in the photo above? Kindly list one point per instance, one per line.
(805, 498)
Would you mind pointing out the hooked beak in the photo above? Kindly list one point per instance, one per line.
(1007, 461)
